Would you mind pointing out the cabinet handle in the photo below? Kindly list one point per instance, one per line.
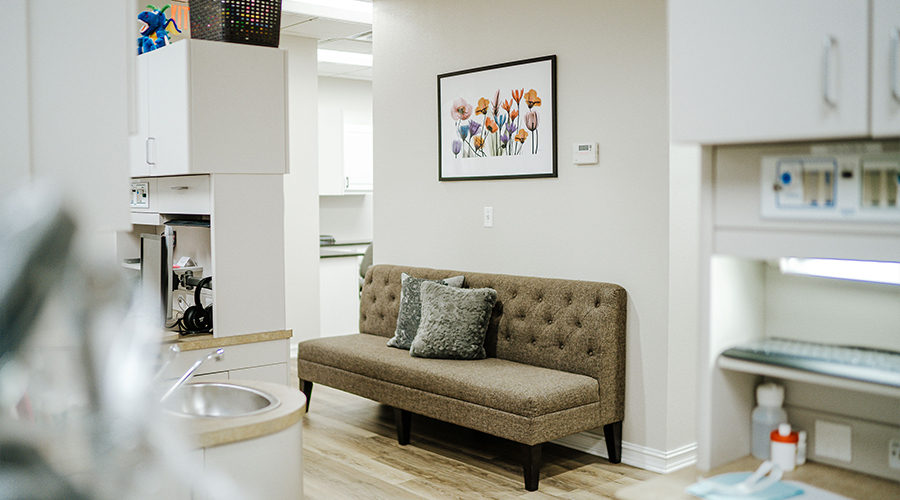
(828, 43)
(346, 182)
(895, 50)
(178, 188)
(151, 151)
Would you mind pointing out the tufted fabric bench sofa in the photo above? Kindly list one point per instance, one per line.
(555, 365)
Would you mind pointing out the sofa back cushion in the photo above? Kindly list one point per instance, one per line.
(560, 324)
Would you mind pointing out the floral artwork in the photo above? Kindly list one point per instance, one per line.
(488, 136)
(498, 121)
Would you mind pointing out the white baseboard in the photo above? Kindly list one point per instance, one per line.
(635, 455)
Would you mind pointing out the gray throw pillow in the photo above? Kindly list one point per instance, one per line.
(411, 308)
(454, 322)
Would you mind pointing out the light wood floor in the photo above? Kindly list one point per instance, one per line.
(350, 451)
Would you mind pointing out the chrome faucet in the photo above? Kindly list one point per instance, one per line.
(216, 355)
(167, 358)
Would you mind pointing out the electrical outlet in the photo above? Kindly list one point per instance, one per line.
(488, 216)
(894, 454)
(833, 441)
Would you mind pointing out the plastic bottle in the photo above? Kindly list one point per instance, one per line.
(801, 448)
(784, 447)
(765, 418)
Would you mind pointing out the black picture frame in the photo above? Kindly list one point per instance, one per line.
(493, 121)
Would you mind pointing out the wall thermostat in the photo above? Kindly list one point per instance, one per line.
(586, 153)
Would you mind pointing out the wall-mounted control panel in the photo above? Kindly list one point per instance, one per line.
(853, 187)
(140, 194)
(586, 153)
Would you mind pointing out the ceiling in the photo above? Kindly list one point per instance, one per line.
(336, 29)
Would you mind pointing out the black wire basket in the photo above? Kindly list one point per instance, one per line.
(254, 22)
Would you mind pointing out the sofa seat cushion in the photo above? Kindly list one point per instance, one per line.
(516, 388)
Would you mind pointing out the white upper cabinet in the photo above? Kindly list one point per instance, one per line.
(770, 70)
(345, 154)
(210, 107)
(331, 151)
(358, 147)
(886, 68)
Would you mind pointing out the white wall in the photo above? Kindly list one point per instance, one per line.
(66, 110)
(15, 127)
(832, 311)
(684, 300)
(347, 217)
(606, 222)
(301, 193)
(354, 97)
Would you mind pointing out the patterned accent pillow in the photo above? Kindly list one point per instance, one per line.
(454, 322)
(411, 308)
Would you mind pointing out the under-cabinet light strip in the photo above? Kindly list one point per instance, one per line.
(856, 270)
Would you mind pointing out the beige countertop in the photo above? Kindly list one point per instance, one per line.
(343, 249)
(208, 341)
(217, 431)
(841, 481)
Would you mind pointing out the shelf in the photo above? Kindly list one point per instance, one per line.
(757, 368)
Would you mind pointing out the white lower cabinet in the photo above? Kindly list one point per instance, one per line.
(338, 296)
(268, 467)
(275, 373)
(260, 361)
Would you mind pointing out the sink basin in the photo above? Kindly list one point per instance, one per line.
(219, 399)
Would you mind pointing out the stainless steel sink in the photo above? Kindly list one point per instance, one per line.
(219, 399)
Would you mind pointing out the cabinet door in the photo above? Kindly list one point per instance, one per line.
(167, 110)
(768, 70)
(886, 68)
(139, 143)
(357, 158)
(331, 151)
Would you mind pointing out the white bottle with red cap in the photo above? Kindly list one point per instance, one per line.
(784, 447)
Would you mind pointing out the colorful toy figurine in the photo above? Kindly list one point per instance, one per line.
(156, 27)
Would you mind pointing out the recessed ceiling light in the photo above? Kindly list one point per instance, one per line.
(356, 5)
(343, 10)
(341, 57)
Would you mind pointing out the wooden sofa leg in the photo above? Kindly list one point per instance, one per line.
(531, 464)
(401, 419)
(613, 434)
(306, 387)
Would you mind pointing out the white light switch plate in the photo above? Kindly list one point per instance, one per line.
(488, 216)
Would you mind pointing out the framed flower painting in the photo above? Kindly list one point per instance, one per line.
(498, 121)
